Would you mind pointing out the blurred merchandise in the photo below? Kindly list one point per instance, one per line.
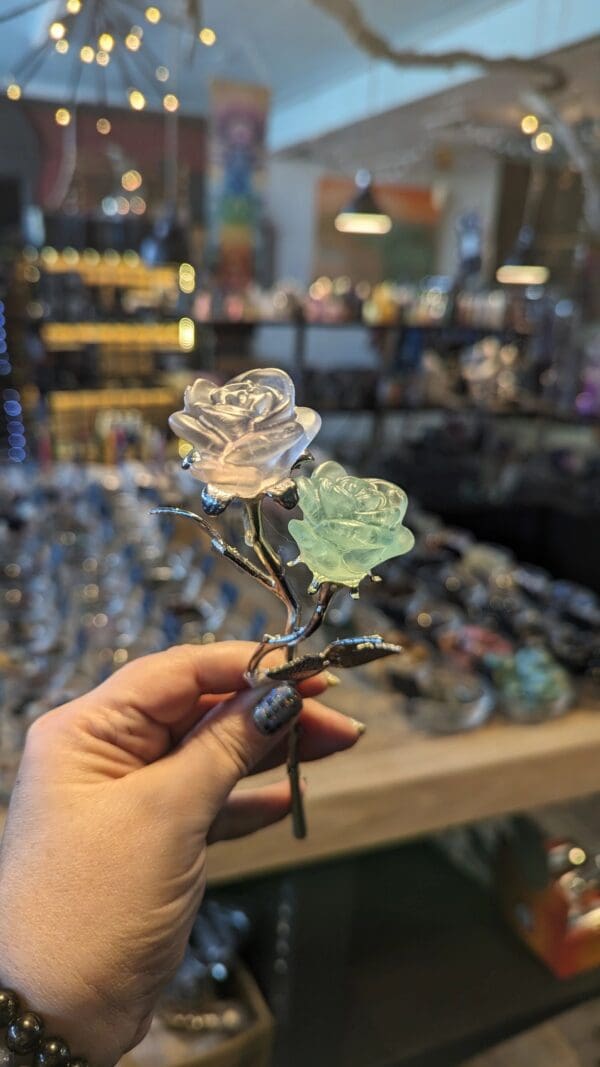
(233, 1030)
(491, 634)
(559, 919)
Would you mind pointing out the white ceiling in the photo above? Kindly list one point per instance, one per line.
(482, 113)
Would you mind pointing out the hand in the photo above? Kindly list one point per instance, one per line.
(103, 861)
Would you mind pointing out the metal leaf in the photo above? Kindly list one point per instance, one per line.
(297, 670)
(354, 651)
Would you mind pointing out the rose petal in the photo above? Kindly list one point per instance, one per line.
(310, 422)
(309, 497)
(264, 449)
(244, 482)
(198, 394)
(279, 391)
(225, 422)
(201, 437)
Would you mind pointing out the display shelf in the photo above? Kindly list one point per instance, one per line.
(399, 784)
(71, 336)
(458, 331)
(375, 943)
(97, 270)
(467, 409)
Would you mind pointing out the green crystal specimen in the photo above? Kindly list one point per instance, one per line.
(350, 525)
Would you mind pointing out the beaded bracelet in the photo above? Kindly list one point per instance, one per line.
(25, 1036)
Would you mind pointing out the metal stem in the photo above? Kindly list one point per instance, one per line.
(292, 638)
(272, 562)
(219, 545)
(256, 539)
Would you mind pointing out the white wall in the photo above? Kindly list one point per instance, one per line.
(473, 184)
(291, 206)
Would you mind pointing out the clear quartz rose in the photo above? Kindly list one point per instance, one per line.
(244, 436)
(350, 524)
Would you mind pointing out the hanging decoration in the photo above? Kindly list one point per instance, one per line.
(236, 178)
(549, 77)
(93, 35)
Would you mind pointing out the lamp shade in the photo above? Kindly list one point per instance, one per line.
(363, 214)
(522, 266)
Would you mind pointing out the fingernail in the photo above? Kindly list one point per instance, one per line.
(332, 679)
(361, 727)
(276, 709)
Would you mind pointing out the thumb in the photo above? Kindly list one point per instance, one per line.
(228, 743)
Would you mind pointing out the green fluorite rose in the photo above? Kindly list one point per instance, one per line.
(350, 525)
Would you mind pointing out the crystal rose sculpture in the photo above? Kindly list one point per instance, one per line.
(243, 440)
(350, 525)
(244, 436)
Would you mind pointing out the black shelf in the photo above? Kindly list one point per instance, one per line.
(375, 942)
(543, 416)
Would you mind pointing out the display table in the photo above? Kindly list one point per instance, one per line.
(398, 784)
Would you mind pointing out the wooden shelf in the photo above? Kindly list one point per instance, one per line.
(398, 784)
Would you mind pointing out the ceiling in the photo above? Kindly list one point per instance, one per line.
(484, 113)
(290, 45)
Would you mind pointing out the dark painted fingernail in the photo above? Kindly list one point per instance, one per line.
(276, 709)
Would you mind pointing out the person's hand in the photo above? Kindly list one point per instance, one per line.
(103, 860)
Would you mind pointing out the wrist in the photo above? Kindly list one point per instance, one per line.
(91, 1033)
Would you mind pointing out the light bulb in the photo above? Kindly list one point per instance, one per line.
(517, 274)
(131, 180)
(132, 42)
(123, 205)
(138, 205)
(62, 117)
(153, 14)
(187, 278)
(57, 30)
(102, 58)
(87, 54)
(543, 141)
(137, 100)
(171, 102)
(62, 46)
(207, 36)
(74, 7)
(187, 334)
(103, 126)
(529, 123)
(362, 223)
(163, 74)
(14, 91)
(106, 42)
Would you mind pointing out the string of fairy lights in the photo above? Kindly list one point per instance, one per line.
(98, 34)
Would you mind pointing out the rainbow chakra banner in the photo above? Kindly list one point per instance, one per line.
(236, 180)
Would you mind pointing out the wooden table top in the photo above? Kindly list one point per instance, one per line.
(398, 784)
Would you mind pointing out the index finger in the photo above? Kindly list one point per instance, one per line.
(166, 686)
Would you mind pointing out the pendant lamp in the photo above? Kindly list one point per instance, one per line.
(363, 214)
